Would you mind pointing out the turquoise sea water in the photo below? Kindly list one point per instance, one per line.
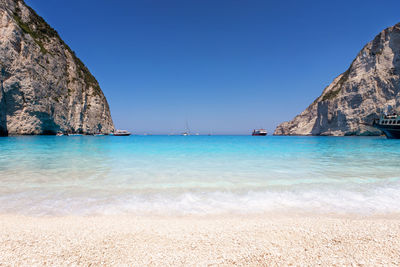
(84, 175)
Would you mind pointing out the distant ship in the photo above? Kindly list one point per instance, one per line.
(121, 133)
(259, 132)
(389, 125)
(187, 132)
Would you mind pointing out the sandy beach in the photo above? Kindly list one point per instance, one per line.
(262, 240)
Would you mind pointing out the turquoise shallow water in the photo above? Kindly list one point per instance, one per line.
(49, 175)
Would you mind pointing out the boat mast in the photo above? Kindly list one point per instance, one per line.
(187, 127)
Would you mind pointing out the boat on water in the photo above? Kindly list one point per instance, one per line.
(74, 134)
(389, 124)
(121, 133)
(259, 132)
(187, 132)
(59, 134)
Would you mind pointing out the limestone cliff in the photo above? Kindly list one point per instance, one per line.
(357, 96)
(46, 88)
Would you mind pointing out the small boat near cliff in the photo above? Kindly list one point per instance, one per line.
(389, 125)
(259, 132)
(121, 133)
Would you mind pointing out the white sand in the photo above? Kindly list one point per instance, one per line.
(229, 240)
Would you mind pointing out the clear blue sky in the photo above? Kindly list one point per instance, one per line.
(226, 66)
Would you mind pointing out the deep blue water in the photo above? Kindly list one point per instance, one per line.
(49, 175)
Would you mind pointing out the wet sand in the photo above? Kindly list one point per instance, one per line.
(250, 240)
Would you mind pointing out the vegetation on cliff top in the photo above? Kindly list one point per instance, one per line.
(42, 32)
(334, 92)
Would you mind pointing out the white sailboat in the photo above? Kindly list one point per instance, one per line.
(187, 132)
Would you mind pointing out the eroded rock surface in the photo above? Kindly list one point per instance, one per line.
(46, 88)
(357, 96)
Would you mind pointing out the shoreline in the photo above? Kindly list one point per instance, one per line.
(253, 240)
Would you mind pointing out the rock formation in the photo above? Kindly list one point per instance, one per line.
(357, 96)
(45, 87)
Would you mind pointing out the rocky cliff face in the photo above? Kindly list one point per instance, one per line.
(357, 96)
(46, 88)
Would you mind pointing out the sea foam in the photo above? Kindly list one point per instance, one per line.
(176, 175)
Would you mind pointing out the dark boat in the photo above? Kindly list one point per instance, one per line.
(389, 125)
(259, 132)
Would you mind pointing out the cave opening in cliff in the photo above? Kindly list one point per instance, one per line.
(3, 108)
